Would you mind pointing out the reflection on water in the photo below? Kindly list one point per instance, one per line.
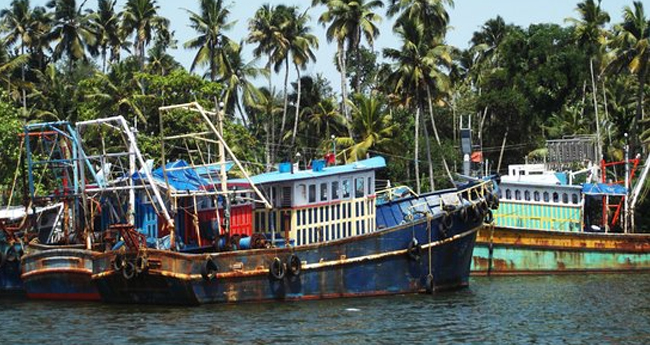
(506, 310)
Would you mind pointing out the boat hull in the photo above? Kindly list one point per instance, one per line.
(522, 251)
(373, 264)
(55, 273)
(10, 282)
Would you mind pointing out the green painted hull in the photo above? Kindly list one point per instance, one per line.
(521, 251)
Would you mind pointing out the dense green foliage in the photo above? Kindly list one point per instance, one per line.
(528, 84)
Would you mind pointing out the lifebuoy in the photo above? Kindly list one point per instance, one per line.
(414, 250)
(276, 268)
(489, 217)
(209, 269)
(128, 271)
(294, 265)
(119, 262)
(141, 264)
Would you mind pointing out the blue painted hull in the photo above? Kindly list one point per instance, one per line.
(367, 265)
(10, 282)
(58, 274)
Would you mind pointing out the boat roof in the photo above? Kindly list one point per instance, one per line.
(373, 163)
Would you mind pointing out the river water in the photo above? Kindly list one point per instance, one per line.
(577, 309)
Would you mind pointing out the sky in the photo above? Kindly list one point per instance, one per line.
(466, 17)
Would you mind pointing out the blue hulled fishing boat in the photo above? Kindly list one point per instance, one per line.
(291, 234)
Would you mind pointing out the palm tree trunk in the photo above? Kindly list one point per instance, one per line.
(295, 121)
(417, 150)
(241, 113)
(22, 71)
(269, 152)
(344, 92)
(593, 93)
(432, 184)
(636, 141)
(104, 60)
(435, 133)
(286, 98)
(357, 80)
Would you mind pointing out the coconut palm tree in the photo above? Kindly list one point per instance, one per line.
(374, 127)
(590, 36)
(631, 45)
(301, 45)
(140, 18)
(26, 25)
(237, 76)
(267, 31)
(212, 43)
(72, 30)
(431, 13)
(349, 21)
(105, 24)
(417, 76)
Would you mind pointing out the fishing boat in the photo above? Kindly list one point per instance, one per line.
(296, 234)
(58, 265)
(547, 224)
(16, 224)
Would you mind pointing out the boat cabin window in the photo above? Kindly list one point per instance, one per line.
(358, 192)
(527, 195)
(574, 198)
(508, 194)
(312, 193)
(335, 190)
(323, 192)
(546, 198)
(286, 196)
(370, 191)
(345, 185)
(517, 194)
(565, 198)
(556, 197)
(536, 195)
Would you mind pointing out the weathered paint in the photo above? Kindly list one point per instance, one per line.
(539, 215)
(521, 251)
(49, 272)
(367, 265)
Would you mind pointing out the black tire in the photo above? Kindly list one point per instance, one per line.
(209, 269)
(11, 254)
(294, 265)
(414, 250)
(483, 206)
(428, 283)
(141, 264)
(462, 213)
(128, 272)
(119, 262)
(447, 221)
(489, 217)
(276, 268)
(476, 213)
(495, 203)
(3, 259)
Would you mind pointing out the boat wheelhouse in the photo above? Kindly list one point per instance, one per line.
(318, 204)
(545, 224)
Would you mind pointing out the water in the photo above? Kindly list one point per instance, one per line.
(506, 310)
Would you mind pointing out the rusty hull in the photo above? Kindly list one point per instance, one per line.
(50, 272)
(366, 265)
(522, 251)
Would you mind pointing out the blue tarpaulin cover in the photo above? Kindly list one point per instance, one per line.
(603, 189)
(182, 179)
